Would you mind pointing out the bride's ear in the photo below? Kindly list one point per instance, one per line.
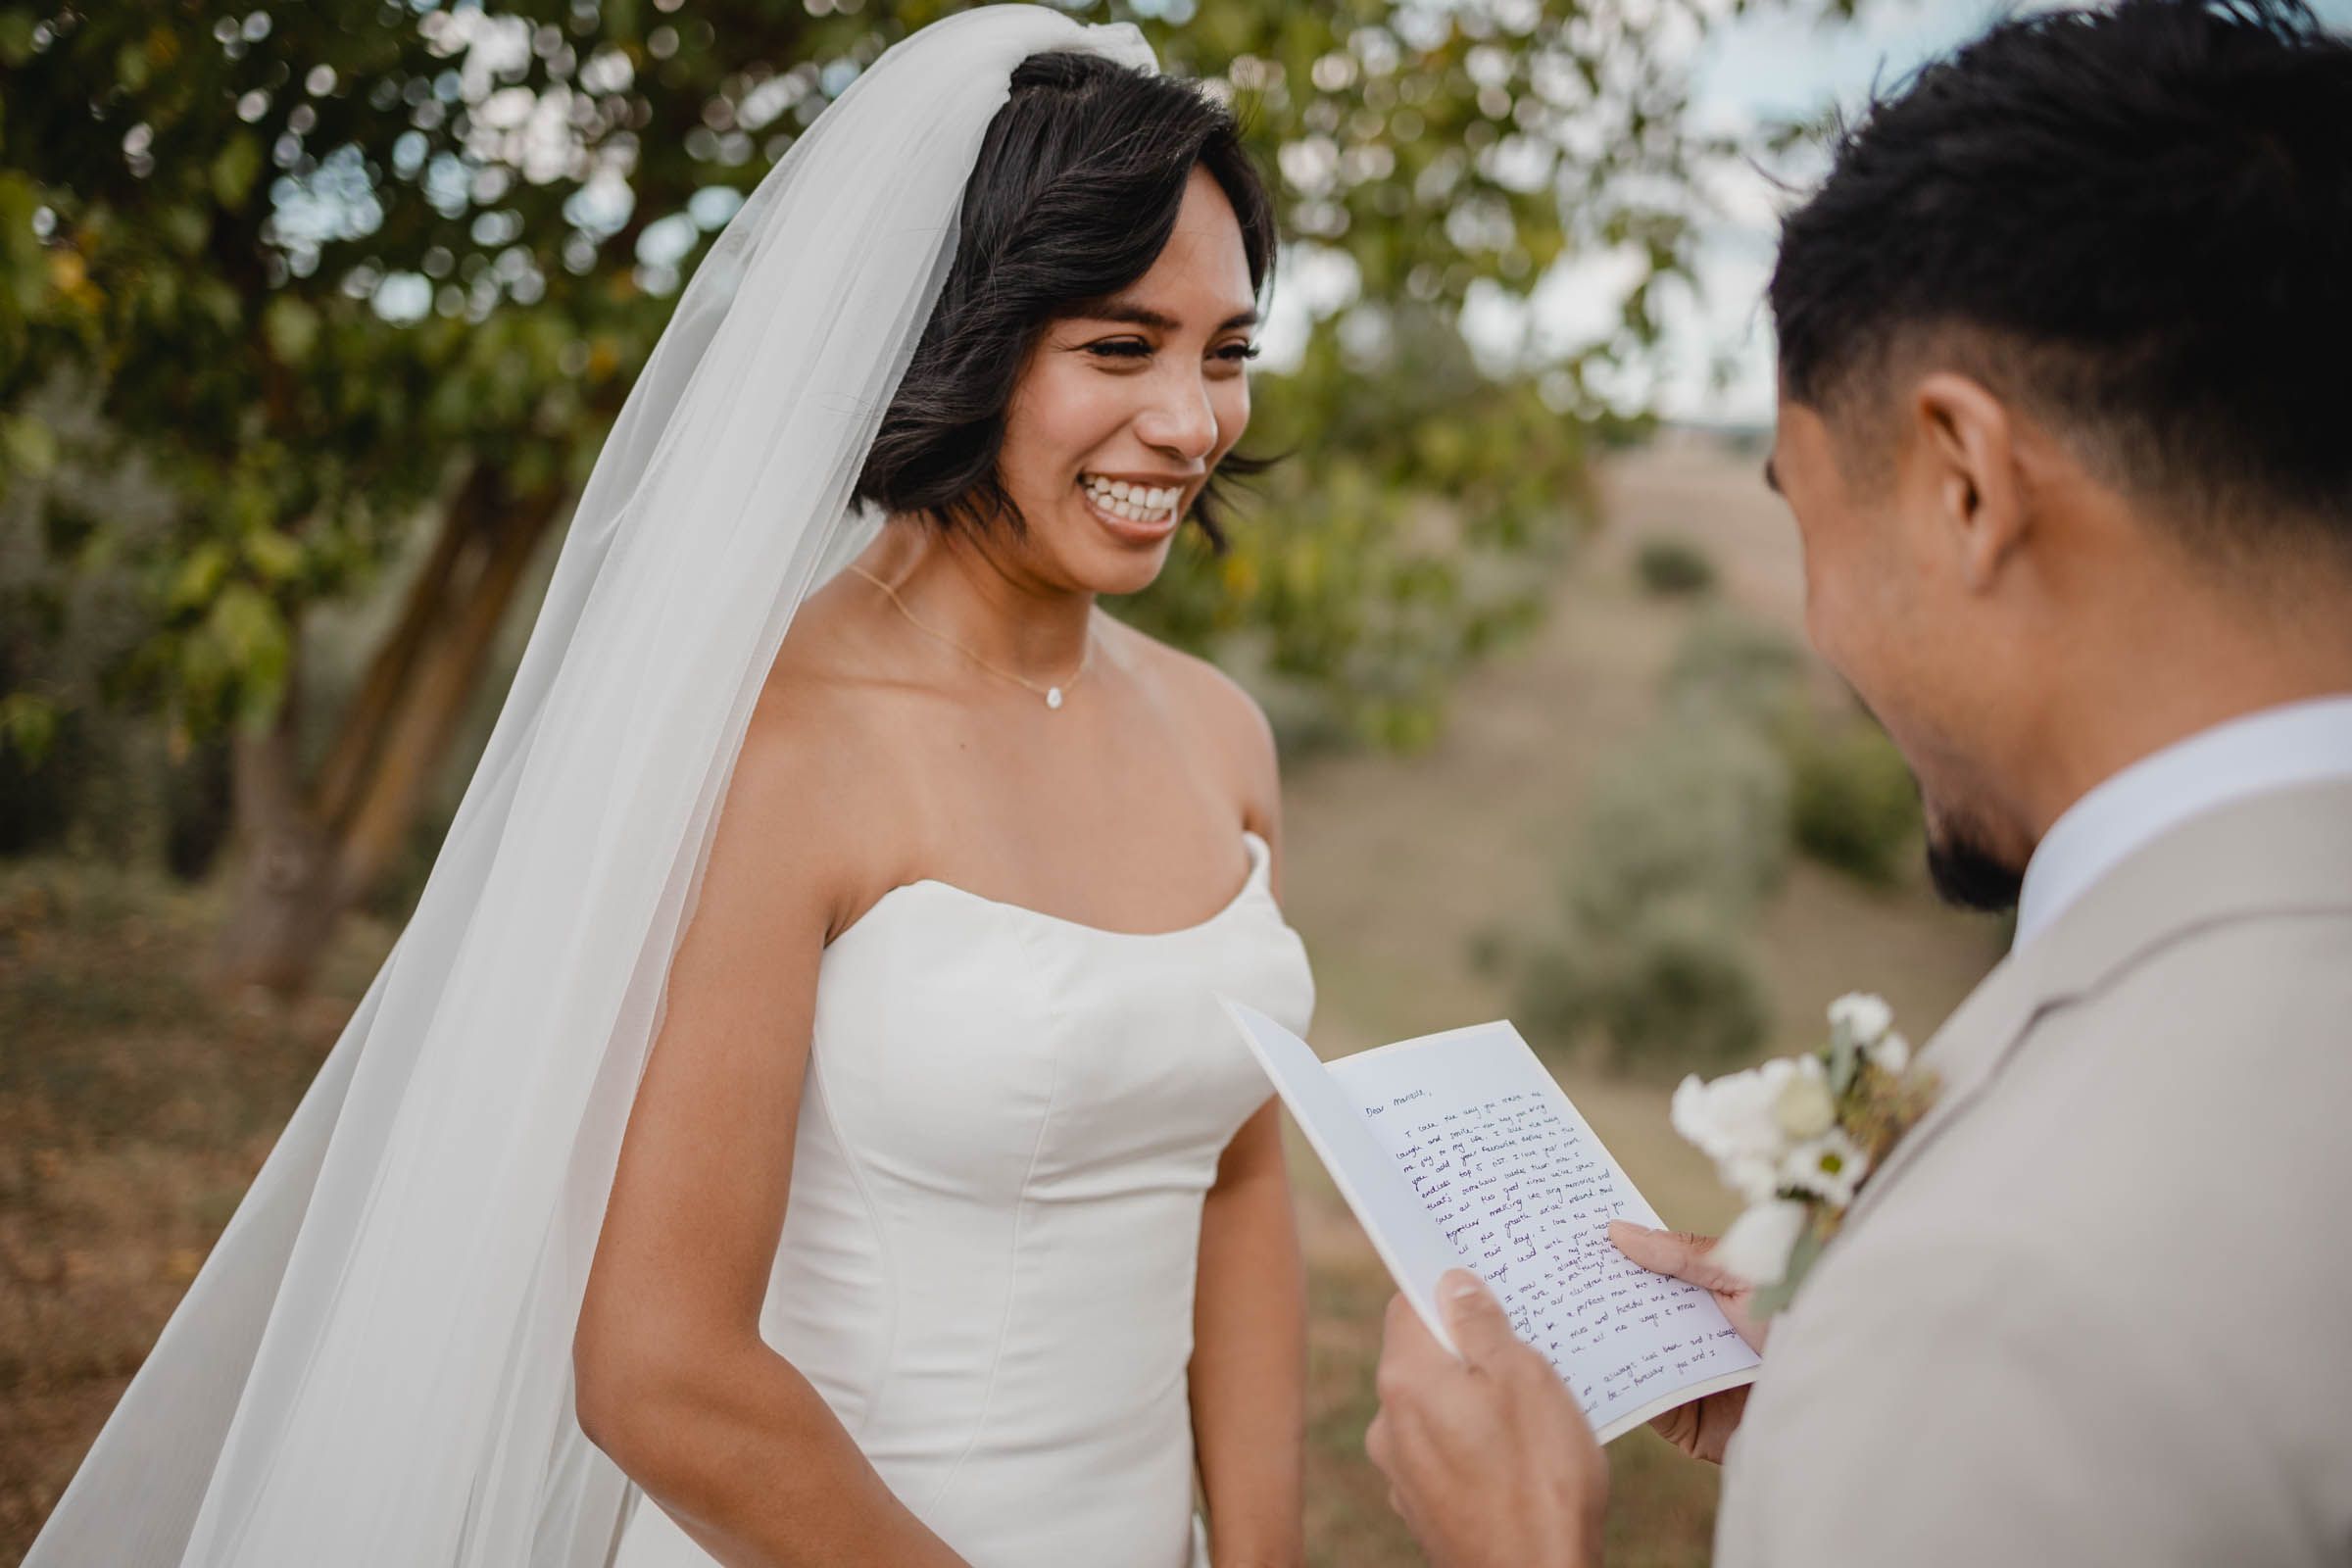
(1965, 446)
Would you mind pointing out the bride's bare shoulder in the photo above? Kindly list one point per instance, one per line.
(812, 771)
(828, 684)
(1215, 710)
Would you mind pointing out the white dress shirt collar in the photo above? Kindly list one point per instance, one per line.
(2279, 748)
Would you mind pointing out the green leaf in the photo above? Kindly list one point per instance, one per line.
(219, 302)
(16, 35)
(185, 228)
(29, 724)
(292, 328)
(198, 577)
(275, 556)
(234, 167)
(258, 645)
(29, 446)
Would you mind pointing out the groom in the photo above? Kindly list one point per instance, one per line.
(2065, 423)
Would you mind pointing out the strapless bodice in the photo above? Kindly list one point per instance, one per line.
(987, 1266)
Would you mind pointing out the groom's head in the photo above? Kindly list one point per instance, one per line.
(2066, 400)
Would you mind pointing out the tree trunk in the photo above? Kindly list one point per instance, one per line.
(281, 865)
(308, 850)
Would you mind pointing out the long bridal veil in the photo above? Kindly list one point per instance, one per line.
(374, 1370)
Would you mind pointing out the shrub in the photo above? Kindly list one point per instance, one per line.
(1699, 807)
(1682, 841)
(1556, 998)
(1674, 990)
(1734, 667)
(1852, 802)
(1491, 950)
(1683, 993)
(1672, 568)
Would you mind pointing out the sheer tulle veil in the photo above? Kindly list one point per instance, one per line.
(372, 1370)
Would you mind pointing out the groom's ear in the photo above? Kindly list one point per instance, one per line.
(1966, 440)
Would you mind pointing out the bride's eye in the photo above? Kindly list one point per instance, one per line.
(1121, 348)
(1238, 353)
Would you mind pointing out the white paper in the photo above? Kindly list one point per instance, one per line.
(1460, 1150)
(1401, 1230)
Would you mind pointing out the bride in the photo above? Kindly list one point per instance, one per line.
(799, 1098)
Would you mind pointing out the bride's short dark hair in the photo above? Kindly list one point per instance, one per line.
(1073, 197)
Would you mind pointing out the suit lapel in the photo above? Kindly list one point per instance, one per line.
(2277, 854)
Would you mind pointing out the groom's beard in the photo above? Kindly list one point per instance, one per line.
(1971, 876)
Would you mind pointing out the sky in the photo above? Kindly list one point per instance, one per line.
(1769, 65)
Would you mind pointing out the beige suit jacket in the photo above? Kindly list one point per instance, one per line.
(2096, 1307)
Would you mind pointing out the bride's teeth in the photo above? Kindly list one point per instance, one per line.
(1136, 503)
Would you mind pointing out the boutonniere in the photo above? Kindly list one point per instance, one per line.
(1797, 1136)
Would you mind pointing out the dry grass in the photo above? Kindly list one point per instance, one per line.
(134, 1106)
(1392, 867)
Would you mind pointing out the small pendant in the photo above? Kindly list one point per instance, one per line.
(1053, 697)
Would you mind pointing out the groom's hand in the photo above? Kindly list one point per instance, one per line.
(1488, 1457)
(1703, 1428)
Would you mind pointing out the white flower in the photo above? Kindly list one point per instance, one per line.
(1752, 1176)
(1861, 1017)
(1803, 1108)
(1890, 1054)
(1757, 1246)
(1732, 1118)
(1738, 1120)
(1830, 1167)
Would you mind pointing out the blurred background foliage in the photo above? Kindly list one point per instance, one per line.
(1688, 835)
(313, 317)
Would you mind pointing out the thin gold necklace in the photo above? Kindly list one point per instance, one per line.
(1051, 694)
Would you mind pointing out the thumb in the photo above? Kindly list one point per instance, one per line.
(1677, 1254)
(1476, 1320)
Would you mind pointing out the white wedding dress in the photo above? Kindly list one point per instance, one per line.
(987, 1264)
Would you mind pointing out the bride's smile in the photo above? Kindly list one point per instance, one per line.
(1127, 405)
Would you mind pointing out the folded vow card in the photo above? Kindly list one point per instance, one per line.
(1457, 1149)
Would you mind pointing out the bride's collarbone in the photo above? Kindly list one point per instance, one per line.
(1106, 813)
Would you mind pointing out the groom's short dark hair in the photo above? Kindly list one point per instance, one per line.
(2135, 222)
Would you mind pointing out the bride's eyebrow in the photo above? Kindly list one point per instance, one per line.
(1132, 314)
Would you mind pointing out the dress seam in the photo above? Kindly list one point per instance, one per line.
(1013, 1281)
(889, 1359)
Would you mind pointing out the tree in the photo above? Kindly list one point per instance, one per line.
(328, 274)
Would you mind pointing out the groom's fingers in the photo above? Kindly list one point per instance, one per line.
(1679, 1253)
(1476, 1320)
(1405, 1339)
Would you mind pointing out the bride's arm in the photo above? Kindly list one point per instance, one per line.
(1249, 1373)
(674, 1382)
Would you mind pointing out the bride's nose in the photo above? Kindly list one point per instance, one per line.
(1180, 421)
